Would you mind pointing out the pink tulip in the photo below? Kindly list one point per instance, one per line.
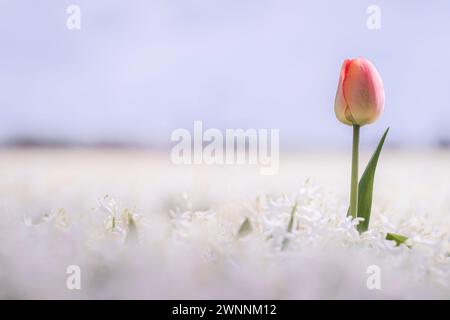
(360, 94)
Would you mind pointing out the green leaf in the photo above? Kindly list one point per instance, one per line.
(365, 187)
(398, 238)
(245, 228)
(285, 242)
(132, 230)
(291, 220)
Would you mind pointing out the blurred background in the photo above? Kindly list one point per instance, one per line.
(138, 70)
(88, 114)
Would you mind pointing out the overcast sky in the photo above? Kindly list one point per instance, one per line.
(137, 70)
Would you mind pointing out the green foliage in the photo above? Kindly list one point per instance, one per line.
(398, 238)
(365, 187)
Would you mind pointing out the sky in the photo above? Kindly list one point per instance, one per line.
(138, 70)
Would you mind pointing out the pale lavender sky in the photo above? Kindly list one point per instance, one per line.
(137, 70)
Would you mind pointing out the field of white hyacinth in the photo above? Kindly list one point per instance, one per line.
(140, 227)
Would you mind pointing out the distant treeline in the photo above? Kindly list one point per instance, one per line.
(62, 143)
(32, 142)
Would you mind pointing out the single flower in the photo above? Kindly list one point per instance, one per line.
(360, 94)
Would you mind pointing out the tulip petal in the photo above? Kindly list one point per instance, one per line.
(363, 91)
(340, 104)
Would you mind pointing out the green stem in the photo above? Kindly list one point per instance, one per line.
(354, 181)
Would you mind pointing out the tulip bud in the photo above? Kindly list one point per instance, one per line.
(360, 94)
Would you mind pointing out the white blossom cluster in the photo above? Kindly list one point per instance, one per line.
(278, 247)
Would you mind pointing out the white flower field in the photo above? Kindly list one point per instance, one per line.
(140, 227)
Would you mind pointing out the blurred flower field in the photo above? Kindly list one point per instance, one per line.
(140, 227)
